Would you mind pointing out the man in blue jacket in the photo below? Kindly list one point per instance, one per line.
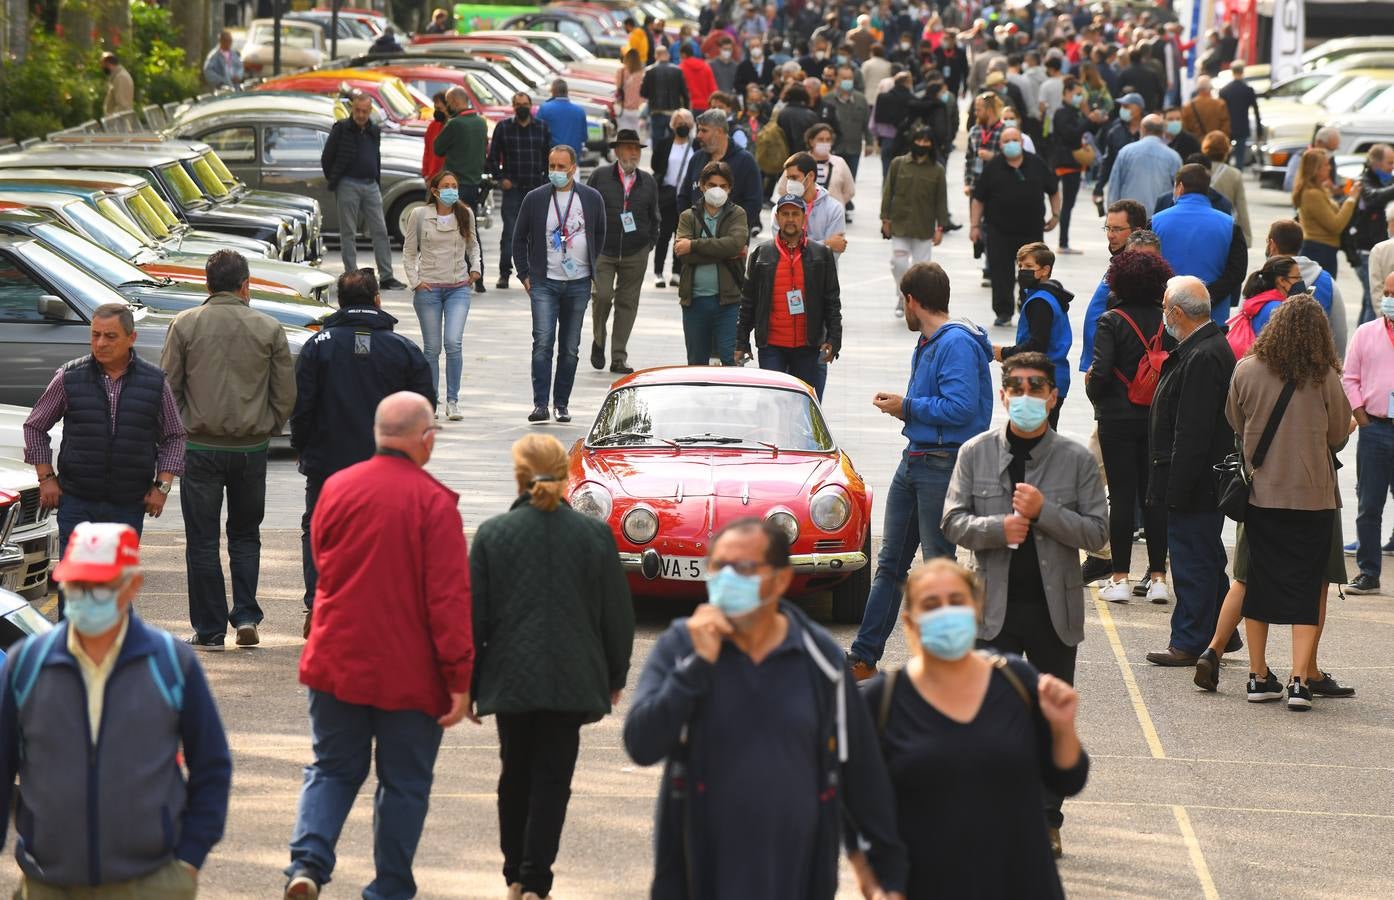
(92, 718)
(1199, 240)
(556, 240)
(564, 119)
(1124, 217)
(949, 400)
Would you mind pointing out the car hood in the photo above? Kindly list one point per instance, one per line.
(701, 472)
(401, 151)
(292, 286)
(16, 475)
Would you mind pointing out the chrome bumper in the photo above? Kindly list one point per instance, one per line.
(801, 563)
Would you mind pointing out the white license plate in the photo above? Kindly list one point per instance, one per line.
(683, 568)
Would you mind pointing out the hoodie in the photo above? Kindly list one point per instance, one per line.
(1323, 287)
(949, 398)
(1044, 327)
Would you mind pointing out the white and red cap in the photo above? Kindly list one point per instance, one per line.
(99, 552)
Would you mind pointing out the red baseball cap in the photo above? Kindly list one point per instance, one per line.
(99, 552)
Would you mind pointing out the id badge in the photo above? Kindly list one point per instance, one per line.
(978, 166)
(795, 301)
(568, 266)
(627, 221)
(947, 71)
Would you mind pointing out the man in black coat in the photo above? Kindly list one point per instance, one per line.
(749, 188)
(1187, 435)
(352, 165)
(666, 91)
(757, 67)
(1137, 77)
(342, 374)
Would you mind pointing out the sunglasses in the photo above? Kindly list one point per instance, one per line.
(1017, 383)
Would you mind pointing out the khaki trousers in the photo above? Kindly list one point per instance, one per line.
(617, 284)
(172, 881)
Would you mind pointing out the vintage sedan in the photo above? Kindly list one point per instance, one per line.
(676, 453)
(401, 107)
(28, 534)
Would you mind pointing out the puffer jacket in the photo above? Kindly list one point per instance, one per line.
(822, 296)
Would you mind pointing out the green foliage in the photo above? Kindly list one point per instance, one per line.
(160, 70)
(56, 86)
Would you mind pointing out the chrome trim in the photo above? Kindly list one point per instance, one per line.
(677, 497)
(11, 517)
(802, 563)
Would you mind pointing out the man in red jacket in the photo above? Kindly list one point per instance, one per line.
(701, 83)
(390, 652)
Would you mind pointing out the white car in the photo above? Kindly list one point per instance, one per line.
(28, 534)
(303, 46)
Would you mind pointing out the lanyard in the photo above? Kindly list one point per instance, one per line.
(627, 185)
(563, 239)
(686, 155)
(794, 257)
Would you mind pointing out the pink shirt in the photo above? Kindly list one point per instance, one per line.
(1368, 378)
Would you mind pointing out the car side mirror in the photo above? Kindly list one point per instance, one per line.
(51, 307)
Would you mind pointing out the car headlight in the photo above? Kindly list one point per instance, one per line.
(830, 508)
(592, 500)
(640, 525)
(786, 523)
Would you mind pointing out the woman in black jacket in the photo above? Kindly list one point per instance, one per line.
(1067, 130)
(1137, 281)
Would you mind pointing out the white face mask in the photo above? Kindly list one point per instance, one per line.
(726, 55)
(822, 149)
(756, 53)
(793, 186)
(715, 197)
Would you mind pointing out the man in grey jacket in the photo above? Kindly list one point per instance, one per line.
(1026, 500)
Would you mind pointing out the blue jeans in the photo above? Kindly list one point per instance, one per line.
(208, 474)
(512, 202)
(705, 320)
(442, 312)
(344, 735)
(801, 362)
(558, 308)
(914, 507)
(887, 154)
(72, 511)
(1374, 468)
(1362, 271)
(1198, 577)
(658, 126)
(1239, 152)
(1324, 255)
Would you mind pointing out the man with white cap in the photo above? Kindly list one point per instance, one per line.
(92, 718)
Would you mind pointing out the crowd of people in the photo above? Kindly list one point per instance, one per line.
(945, 776)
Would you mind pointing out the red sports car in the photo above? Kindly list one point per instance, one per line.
(676, 453)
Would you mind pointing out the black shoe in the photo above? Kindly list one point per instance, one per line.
(1001, 323)
(1234, 645)
(391, 284)
(1140, 589)
(1095, 568)
(621, 370)
(194, 641)
(597, 356)
(480, 288)
(953, 226)
(538, 414)
(502, 283)
(1326, 686)
(1363, 584)
(563, 415)
(1388, 549)
(1207, 676)
(1266, 689)
(1299, 696)
(1139, 536)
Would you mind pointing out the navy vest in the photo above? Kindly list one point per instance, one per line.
(95, 464)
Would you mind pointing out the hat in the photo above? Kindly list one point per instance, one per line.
(627, 136)
(99, 552)
(1131, 99)
(994, 79)
(791, 200)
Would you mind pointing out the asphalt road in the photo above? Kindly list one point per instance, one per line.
(1191, 795)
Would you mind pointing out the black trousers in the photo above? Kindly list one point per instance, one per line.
(538, 750)
(1027, 631)
(1001, 266)
(1123, 445)
(313, 486)
(667, 224)
(1069, 190)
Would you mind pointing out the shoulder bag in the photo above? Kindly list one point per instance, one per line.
(1232, 481)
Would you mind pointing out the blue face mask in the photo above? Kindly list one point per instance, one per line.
(1386, 307)
(91, 611)
(949, 631)
(558, 179)
(733, 593)
(1384, 177)
(1125, 114)
(846, 85)
(945, 97)
(1077, 100)
(1173, 127)
(1012, 149)
(1027, 413)
(449, 196)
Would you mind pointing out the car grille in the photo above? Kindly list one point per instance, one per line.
(826, 546)
(29, 511)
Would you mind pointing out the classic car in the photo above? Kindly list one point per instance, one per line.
(352, 33)
(586, 30)
(167, 175)
(1288, 125)
(569, 51)
(676, 453)
(486, 96)
(18, 620)
(162, 286)
(303, 46)
(273, 141)
(28, 534)
(402, 107)
(376, 21)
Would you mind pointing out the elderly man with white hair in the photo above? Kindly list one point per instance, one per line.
(1206, 112)
(1187, 435)
(1327, 138)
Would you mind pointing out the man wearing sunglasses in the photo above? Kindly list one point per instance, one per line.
(1025, 499)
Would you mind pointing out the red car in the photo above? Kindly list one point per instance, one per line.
(428, 80)
(676, 453)
(402, 107)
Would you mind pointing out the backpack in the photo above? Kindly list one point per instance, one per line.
(998, 661)
(1240, 334)
(1143, 386)
(771, 149)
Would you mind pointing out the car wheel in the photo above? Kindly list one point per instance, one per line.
(849, 597)
(399, 216)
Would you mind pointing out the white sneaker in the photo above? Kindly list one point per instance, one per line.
(452, 412)
(1116, 591)
(1157, 591)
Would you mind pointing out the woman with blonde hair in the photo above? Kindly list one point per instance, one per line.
(629, 77)
(1322, 218)
(971, 741)
(553, 633)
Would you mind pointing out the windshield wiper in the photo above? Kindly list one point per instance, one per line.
(149, 282)
(709, 438)
(628, 435)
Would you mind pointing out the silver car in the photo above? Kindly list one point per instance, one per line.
(28, 534)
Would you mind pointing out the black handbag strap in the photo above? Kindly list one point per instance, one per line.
(1274, 419)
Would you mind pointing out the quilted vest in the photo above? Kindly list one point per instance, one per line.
(95, 464)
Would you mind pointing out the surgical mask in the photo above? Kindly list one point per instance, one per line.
(682, 131)
(1027, 278)
(559, 179)
(522, 112)
(449, 196)
(726, 55)
(756, 53)
(1174, 127)
(1298, 287)
(439, 115)
(846, 85)
(819, 54)
(91, 611)
(948, 632)
(1012, 149)
(841, 58)
(793, 186)
(1172, 330)
(821, 149)
(733, 593)
(1384, 177)
(1386, 307)
(1027, 413)
(715, 196)
(905, 45)
(1125, 114)
(1077, 100)
(945, 97)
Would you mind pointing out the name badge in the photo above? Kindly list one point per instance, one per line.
(795, 300)
(627, 221)
(569, 267)
(978, 166)
(947, 71)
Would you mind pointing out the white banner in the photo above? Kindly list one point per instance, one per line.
(1288, 33)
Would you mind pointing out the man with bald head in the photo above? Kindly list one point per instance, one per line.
(1145, 169)
(463, 144)
(393, 596)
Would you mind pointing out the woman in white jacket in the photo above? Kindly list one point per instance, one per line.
(442, 260)
(833, 173)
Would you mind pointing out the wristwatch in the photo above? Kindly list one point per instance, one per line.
(163, 486)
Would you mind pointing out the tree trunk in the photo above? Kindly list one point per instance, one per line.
(198, 22)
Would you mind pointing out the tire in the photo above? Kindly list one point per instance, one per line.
(397, 216)
(849, 597)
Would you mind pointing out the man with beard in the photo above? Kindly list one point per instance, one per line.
(631, 214)
(518, 159)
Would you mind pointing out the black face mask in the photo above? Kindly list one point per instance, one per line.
(919, 152)
(1027, 279)
(523, 113)
(440, 116)
(682, 131)
(1298, 287)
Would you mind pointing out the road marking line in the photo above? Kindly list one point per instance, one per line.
(1188, 834)
(1240, 809)
(49, 605)
(1143, 717)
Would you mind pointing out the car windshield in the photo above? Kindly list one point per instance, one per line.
(88, 291)
(158, 204)
(1380, 104)
(1352, 95)
(95, 259)
(95, 226)
(1298, 86)
(398, 101)
(207, 178)
(183, 185)
(484, 91)
(113, 212)
(1325, 89)
(146, 216)
(710, 414)
(220, 169)
(504, 83)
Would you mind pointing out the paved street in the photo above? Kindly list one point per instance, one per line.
(1191, 795)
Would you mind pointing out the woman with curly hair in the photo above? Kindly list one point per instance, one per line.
(1132, 322)
(1293, 375)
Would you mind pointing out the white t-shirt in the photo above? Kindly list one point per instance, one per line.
(571, 261)
(678, 157)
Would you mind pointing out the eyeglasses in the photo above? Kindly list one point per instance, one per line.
(1016, 384)
(1117, 229)
(743, 567)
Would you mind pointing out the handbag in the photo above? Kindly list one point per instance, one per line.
(1232, 481)
(1084, 155)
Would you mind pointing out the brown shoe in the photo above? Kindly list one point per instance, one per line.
(1057, 849)
(1172, 657)
(862, 670)
(305, 628)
